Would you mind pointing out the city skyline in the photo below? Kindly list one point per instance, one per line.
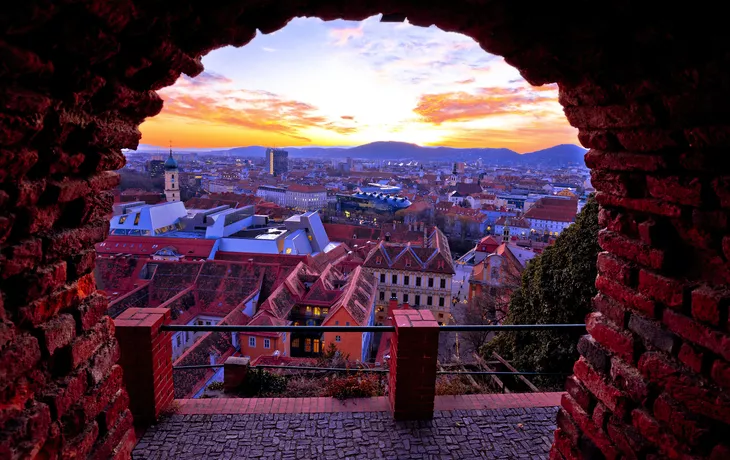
(345, 83)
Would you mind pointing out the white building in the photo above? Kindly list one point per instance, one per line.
(172, 179)
(306, 197)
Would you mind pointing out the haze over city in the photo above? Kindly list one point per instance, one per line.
(345, 83)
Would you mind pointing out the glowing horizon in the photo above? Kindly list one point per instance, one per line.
(345, 83)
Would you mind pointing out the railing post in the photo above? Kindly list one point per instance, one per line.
(413, 354)
(146, 357)
(234, 372)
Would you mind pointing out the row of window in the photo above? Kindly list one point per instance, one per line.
(407, 281)
(252, 342)
(417, 299)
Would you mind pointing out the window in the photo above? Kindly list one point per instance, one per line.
(337, 323)
(347, 323)
(267, 343)
(382, 277)
(179, 340)
(393, 295)
(429, 300)
(443, 283)
(316, 345)
(283, 336)
(441, 301)
(406, 280)
(408, 262)
(337, 338)
(309, 310)
(325, 311)
(418, 281)
(430, 282)
(295, 343)
(394, 279)
(307, 345)
(405, 298)
(418, 300)
(252, 342)
(317, 311)
(136, 219)
(122, 219)
(382, 295)
(378, 260)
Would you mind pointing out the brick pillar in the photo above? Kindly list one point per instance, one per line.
(413, 354)
(234, 372)
(147, 357)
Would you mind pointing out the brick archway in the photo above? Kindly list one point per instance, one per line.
(647, 87)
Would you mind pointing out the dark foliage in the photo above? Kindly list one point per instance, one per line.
(556, 287)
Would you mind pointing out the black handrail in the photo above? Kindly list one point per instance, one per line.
(343, 369)
(449, 328)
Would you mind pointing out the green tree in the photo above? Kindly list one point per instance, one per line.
(556, 287)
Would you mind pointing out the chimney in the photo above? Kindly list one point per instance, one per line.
(392, 305)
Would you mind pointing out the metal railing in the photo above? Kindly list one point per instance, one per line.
(322, 329)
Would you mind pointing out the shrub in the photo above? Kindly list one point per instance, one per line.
(455, 386)
(353, 386)
(262, 383)
(215, 386)
(304, 387)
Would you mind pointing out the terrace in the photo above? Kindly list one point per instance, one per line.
(409, 422)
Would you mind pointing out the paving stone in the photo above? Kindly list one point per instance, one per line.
(498, 433)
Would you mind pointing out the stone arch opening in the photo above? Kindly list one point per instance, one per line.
(647, 87)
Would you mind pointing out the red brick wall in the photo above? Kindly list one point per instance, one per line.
(648, 87)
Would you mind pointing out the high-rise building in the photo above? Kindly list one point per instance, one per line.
(156, 168)
(172, 179)
(277, 161)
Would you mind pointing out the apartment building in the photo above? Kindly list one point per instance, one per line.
(418, 275)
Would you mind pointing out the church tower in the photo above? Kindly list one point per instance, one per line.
(172, 179)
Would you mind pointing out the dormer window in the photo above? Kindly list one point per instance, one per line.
(408, 262)
(378, 260)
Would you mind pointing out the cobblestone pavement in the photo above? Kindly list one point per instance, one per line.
(458, 434)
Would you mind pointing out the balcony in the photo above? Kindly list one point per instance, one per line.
(409, 422)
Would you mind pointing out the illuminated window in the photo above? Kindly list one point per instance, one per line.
(295, 343)
(136, 219)
(307, 345)
(316, 346)
(317, 311)
(308, 310)
(123, 218)
(325, 311)
(252, 342)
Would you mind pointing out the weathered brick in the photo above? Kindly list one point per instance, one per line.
(67, 297)
(611, 309)
(612, 397)
(81, 445)
(90, 311)
(615, 269)
(710, 305)
(30, 286)
(675, 189)
(62, 395)
(691, 357)
(600, 415)
(594, 353)
(589, 429)
(108, 417)
(643, 205)
(69, 242)
(685, 426)
(629, 379)
(720, 373)
(21, 257)
(633, 250)
(652, 431)
(652, 334)
(102, 362)
(685, 387)
(57, 333)
(83, 348)
(716, 341)
(626, 438)
(19, 357)
(622, 161)
(579, 393)
(721, 186)
(649, 139)
(668, 291)
(626, 296)
(617, 341)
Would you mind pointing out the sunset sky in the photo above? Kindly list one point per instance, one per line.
(343, 83)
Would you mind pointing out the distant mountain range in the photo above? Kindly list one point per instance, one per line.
(401, 151)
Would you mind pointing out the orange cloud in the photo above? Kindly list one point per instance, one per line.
(467, 81)
(486, 102)
(347, 117)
